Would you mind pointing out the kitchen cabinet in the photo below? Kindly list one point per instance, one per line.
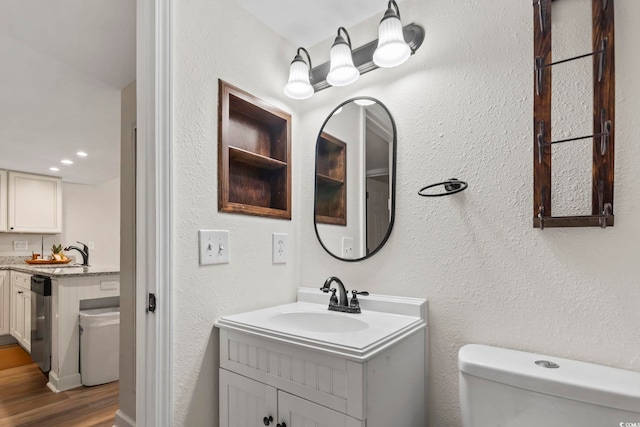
(20, 310)
(246, 403)
(3, 201)
(34, 203)
(5, 298)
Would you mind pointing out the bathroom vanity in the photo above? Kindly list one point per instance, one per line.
(299, 364)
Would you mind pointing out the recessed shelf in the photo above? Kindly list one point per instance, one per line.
(331, 180)
(254, 152)
(253, 159)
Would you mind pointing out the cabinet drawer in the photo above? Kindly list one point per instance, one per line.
(21, 279)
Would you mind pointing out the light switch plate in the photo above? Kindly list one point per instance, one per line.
(279, 248)
(347, 247)
(214, 247)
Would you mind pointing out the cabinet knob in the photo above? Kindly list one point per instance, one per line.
(20, 292)
(281, 425)
(267, 420)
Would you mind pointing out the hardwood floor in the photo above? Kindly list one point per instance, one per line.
(12, 356)
(26, 401)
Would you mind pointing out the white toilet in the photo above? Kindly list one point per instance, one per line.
(509, 388)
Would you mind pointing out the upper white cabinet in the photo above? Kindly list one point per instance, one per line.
(34, 203)
(3, 201)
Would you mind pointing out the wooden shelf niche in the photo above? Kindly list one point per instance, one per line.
(254, 155)
(331, 181)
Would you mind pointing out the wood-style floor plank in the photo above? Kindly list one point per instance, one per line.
(25, 401)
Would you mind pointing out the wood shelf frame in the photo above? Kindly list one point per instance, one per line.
(603, 118)
(254, 155)
(331, 181)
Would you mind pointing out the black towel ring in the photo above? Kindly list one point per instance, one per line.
(451, 186)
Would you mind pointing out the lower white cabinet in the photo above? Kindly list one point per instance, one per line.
(246, 403)
(5, 303)
(20, 323)
(3, 200)
(299, 386)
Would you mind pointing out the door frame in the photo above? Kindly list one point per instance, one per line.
(154, 385)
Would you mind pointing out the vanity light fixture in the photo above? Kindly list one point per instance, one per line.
(299, 84)
(66, 162)
(395, 45)
(81, 154)
(392, 49)
(342, 71)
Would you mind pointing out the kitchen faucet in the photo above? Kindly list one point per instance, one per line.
(84, 252)
(342, 304)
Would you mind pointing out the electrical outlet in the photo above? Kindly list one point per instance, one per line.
(214, 247)
(347, 247)
(91, 245)
(20, 245)
(279, 248)
(109, 285)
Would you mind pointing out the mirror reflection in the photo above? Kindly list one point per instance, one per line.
(355, 178)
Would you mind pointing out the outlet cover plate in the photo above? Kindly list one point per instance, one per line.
(214, 247)
(280, 248)
(347, 247)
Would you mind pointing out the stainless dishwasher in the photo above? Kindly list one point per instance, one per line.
(41, 321)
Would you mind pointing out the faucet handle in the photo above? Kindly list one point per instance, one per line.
(354, 303)
(334, 299)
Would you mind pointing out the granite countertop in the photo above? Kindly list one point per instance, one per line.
(53, 271)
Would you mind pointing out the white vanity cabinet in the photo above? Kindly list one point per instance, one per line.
(3, 201)
(5, 303)
(20, 311)
(245, 402)
(375, 377)
(34, 203)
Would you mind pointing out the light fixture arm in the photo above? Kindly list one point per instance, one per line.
(393, 2)
(308, 57)
(363, 56)
(346, 33)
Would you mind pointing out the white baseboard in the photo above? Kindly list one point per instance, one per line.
(65, 383)
(122, 420)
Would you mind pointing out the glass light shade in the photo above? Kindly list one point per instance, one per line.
(298, 86)
(342, 71)
(392, 50)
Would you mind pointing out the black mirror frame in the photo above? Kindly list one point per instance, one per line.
(393, 180)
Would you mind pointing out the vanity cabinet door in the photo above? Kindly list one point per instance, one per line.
(297, 412)
(244, 402)
(20, 324)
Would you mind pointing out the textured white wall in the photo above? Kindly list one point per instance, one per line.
(463, 106)
(220, 40)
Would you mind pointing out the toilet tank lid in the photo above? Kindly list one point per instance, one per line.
(580, 381)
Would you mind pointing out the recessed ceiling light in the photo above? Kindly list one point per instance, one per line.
(54, 169)
(66, 162)
(81, 154)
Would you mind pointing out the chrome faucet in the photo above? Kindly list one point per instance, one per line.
(342, 304)
(84, 252)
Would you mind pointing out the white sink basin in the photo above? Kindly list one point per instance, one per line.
(308, 322)
(328, 322)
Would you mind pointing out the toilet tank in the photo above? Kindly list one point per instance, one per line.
(507, 388)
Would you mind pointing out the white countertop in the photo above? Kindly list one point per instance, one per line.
(383, 328)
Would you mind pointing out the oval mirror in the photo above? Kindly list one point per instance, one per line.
(355, 179)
